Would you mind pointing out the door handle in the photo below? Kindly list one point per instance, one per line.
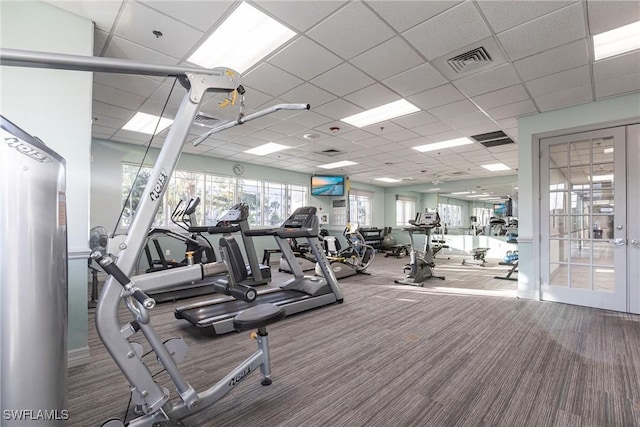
(618, 242)
(635, 242)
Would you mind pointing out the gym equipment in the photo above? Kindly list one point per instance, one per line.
(297, 294)
(510, 259)
(303, 257)
(479, 255)
(354, 259)
(438, 243)
(98, 237)
(421, 265)
(33, 279)
(197, 247)
(43, 373)
(234, 219)
(388, 241)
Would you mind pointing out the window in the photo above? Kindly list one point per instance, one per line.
(270, 203)
(405, 210)
(451, 215)
(360, 207)
(483, 215)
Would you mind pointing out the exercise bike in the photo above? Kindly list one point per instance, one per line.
(422, 263)
(354, 259)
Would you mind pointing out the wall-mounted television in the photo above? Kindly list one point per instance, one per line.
(327, 185)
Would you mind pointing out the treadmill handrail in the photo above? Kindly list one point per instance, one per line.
(262, 232)
(221, 229)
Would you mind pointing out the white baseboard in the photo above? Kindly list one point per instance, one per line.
(78, 357)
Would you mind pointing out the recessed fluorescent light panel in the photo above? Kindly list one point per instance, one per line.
(443, 144)
(458, 193)
(387, 179)
(243, 39)
(380, 114)
(608, 150)
(147, 123)
(265, 149)
(600, 178)
(617, 41)
(337, 164)
(495, 167)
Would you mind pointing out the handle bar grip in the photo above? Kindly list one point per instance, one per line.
(144, 299)
(111, 268)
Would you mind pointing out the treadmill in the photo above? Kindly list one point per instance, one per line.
(234, 219)
(300, 293)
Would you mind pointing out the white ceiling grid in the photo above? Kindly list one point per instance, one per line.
(350, 56)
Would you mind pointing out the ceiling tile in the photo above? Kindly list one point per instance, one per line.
(464, 121)
(415, 80)
(176, 40)
(517, 109)
(610, 14)
(561, 58)
(355, 23)
(403, 15)
(504, 15)
(387, 59)
(271, 80)
(499, 97)
(310, 119)
(434, 38)
(489, 80)
(416, 119)
(431, 98)
(113, 96)
(101, 12)
(617, 66)
(140, 85)
(432, 129)
(563, 80)
(372, 96)
(201, 15)
(618, 86)
(338, 109)
(124, 49)
(555, 29)
(308, 94)
(300, 15)
(342, 80)
(111, 110)
(305, 58)
(564, 98)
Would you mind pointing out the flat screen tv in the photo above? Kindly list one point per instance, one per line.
(327, 185)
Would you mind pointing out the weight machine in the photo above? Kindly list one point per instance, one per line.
(152, 402)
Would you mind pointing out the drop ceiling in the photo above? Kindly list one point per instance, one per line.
(472, 67)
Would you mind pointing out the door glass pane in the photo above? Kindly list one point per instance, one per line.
(558, 227)
(558, 250)
(558, 156)
(580, 252)
(603, 279)
(580, 276)
(603, 252)
(580, 153)
(558, 274)
(580, 226)
(602, 150)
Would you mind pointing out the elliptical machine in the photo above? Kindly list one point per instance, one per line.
(354, 259)
(421, 264)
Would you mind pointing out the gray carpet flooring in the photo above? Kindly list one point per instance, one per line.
(459, 352)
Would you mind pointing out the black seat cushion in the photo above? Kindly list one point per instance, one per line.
(258, 316)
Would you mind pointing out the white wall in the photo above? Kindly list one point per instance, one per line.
(55, 106)
(596, 115)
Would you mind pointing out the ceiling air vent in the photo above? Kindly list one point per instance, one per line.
(493, 139)
(475, 58)
(202, 119)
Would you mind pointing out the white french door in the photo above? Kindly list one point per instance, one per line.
(589, 219)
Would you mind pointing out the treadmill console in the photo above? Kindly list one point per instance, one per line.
(234, 214)
(304, 217)
(427, 219)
